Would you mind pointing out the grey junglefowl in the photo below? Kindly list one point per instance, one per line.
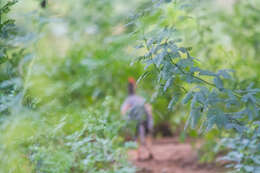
(136, 108)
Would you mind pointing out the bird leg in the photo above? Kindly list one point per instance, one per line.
(149, 146)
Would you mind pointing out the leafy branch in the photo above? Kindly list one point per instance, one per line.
(165, 55)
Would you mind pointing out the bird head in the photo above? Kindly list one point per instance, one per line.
(131, 86)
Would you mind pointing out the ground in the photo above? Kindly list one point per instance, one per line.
(171, 156)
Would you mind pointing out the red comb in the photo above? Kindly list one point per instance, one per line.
(131, 80)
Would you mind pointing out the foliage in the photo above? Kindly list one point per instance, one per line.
(215, 98)
(94, 145)
(45, 126)
(63, 76)
(8, 31)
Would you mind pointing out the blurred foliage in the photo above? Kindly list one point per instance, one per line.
(56, 115)
(64, 67)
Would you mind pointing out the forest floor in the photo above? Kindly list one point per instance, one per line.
(171, 156)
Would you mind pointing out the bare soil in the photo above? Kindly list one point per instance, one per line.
(171, 156)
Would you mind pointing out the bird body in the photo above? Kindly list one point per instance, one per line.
(136, 109)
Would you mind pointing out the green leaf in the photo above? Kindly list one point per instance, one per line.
(206, 73)
(148, 63)
(6, 8)
(224, 74)
(195, 115)
(247, 97)
(221, 120)
(144, 75)
(168, 84)
(173, 101)
(218, 82)
(158, 59)
(187, 97)
(183, 49)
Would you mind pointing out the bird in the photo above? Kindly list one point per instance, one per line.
(137, 109)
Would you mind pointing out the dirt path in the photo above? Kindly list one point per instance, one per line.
(172, 156)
